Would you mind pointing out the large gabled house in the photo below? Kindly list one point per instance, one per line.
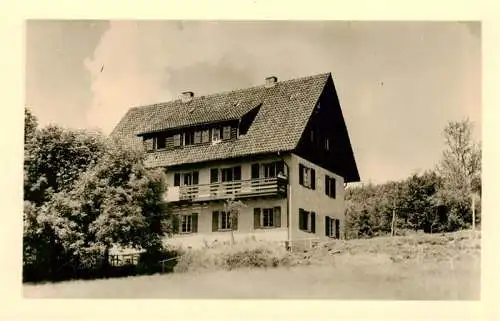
(282, 148)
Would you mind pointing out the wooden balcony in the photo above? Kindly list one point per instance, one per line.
(238, 189)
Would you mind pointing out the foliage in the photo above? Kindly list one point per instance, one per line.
(55, 159)
(460, 168)
(233, 207)
(85, 193)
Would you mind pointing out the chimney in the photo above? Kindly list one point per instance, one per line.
(187, 96)
(271, 81)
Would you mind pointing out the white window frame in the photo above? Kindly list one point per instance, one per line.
(224, 221)
(186, 224)
(270, 213)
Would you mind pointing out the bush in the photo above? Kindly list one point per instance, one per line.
(249, 254)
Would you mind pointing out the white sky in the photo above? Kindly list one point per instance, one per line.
(399, 83)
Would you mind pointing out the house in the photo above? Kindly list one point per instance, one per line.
(282, 148)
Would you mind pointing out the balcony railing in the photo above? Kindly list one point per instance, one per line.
(238, 189)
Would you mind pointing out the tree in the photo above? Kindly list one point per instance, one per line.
(460, 168)
(233, 207)
(56, 157)
(118, 202)
(30, 125)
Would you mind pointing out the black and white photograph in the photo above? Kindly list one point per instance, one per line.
(252, 159)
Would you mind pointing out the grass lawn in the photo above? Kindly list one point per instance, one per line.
(417, 267)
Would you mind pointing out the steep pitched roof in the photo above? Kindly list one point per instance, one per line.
(283, 115)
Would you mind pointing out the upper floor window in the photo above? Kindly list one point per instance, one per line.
(307, 177)
(216, 134)
(197, 137)
(330, 187)
(188, 178)
(267, 170)
(188, 138)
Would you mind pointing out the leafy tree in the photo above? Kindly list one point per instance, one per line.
(55, 159)
(460, 169)
(30, 125)
(118, 202)
(233, 207)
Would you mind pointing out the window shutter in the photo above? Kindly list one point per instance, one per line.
(301, 174)
(194, 228)
(313, 178)
(226, 132)
(234, 223)
(177, 140)
(327, 226)
(237, 173)
(215, 221)
(205, 136)
(197, 137)
(148, 144)
(255, 171)
(256, 218)
(214, 175)
(177, 179)
(175, 224)
(277, 216)
(301, 219)
(333, 187)
(337, 228)
(313, 222)
(280, 167)
(327, 185)
(195, 178)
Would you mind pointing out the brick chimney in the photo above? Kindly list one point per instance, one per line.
(271, 81)
(187, 96)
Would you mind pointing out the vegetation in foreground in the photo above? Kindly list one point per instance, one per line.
(413, 267)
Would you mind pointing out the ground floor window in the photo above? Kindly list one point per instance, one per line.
(222, 221)
(188, 223)
(332, 227)
(307, 221)
(267, 217)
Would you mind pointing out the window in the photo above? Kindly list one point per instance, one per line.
(307, 177)
(269, 170)
(226, 132)
(160, 142)
(225, 221)
(214, 175)
(205, 136)
(188, 223)
(307, 221)
(177, 140)
(332, 227)
(215, 134)
(190, 178)
(197, 137)
(221, 221)
(267, 217)
(231, 174)
(188, 138)
(330, 187)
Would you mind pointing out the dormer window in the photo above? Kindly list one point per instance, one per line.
(197, 137)
(216, 135)
(160, 142)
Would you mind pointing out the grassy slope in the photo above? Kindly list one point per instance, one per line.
(418, 267)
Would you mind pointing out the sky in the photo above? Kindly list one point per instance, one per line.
(399, 83)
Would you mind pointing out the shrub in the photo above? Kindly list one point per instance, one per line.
(249, 254)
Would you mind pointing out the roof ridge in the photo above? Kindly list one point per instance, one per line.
(233, 90)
